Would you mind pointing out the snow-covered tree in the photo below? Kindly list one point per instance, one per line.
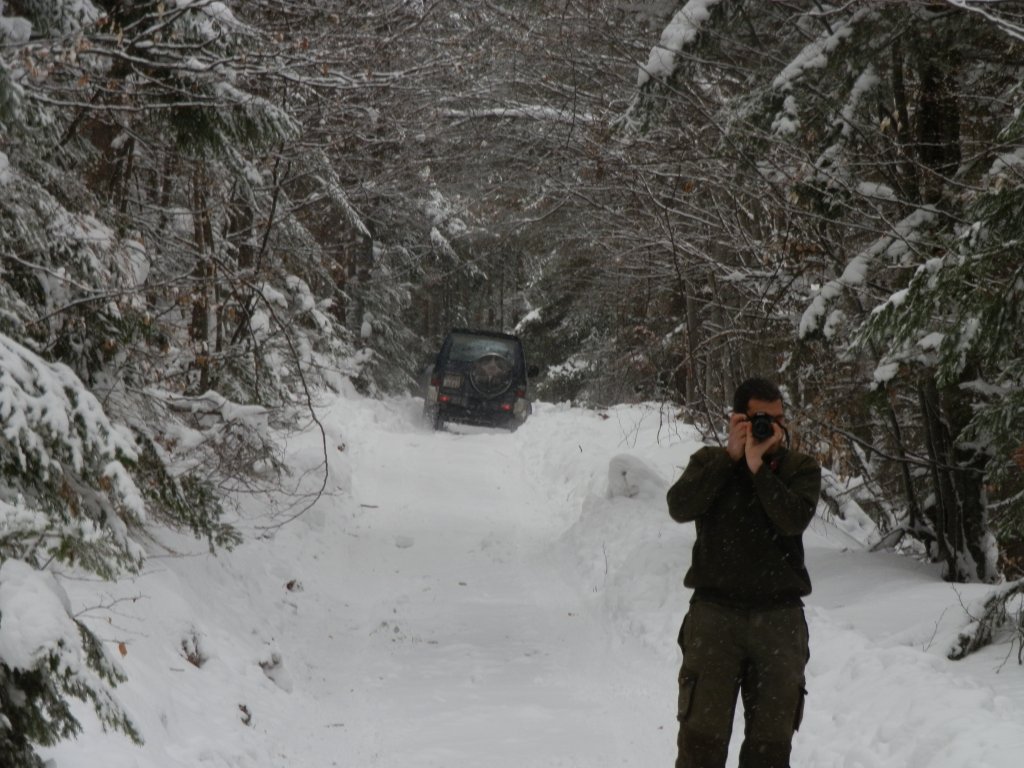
(840, 197)
(68, 493)
(131, 284)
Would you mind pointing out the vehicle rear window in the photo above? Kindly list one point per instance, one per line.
(467, 348)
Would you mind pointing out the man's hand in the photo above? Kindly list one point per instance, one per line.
(755, 452)
(742, 444)
(739, 432)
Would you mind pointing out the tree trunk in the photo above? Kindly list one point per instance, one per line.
(959, 512)
(201, 328)
(938, 129)
(907, 176)
(944, 513)
(359, 283)
(969, 485)
(694, 363)
(913, 508)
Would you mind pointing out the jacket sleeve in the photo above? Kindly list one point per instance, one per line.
(790, 499)
(692, 494)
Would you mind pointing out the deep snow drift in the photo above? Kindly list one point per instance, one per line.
(475, 598)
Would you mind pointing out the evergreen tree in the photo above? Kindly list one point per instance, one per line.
(847, 172)
(105, 111)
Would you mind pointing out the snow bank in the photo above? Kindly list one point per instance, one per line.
(872, 706)
(34, 620)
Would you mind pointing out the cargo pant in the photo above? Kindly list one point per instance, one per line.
(758, 655)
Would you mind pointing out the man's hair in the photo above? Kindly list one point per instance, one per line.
(754, 389)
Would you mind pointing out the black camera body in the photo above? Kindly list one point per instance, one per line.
(761, 426)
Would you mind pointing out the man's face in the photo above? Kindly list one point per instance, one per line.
(774, 409)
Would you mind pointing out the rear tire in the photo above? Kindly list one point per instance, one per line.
(432, 417)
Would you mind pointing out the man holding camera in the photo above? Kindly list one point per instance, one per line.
(745, 634)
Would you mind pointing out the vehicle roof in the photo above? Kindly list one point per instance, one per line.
(478, 332)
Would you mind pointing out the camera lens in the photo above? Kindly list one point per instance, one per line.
(761, 426)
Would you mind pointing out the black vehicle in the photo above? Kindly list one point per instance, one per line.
(479, 377)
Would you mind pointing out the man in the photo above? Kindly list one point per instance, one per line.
(745, 632)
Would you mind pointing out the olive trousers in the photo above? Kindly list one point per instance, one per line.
(757, 655)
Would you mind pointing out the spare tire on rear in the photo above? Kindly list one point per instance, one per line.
(491, 375)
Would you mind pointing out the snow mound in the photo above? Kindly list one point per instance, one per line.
(36, 622)
(631, 478)
(630, 556)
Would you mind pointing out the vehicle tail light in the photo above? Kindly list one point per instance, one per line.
(520, 393)
(435, 381)
(506, 406)
(444, 398)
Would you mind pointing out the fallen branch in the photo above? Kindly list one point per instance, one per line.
(996, 614)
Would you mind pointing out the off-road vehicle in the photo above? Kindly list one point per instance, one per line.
(479, 377)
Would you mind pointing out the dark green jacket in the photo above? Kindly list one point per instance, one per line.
(749, 550)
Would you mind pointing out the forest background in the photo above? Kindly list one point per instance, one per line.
(210, 211)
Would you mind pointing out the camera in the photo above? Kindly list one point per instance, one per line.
(761, 426)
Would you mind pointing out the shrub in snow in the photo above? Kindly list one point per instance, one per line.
(45, 657)
(63, 465)
(999, 613)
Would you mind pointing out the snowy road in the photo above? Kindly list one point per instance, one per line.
(471, 647)
(476, 598)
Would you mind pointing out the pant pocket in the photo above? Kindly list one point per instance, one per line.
(687, 689)
(799, 716)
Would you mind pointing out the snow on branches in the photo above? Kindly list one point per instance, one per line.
(680, 32)
(63, 457)
(892, 245)
(45, 655)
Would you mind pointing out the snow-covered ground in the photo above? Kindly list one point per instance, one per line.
(478, 598)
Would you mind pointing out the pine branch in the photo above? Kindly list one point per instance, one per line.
(995, 614)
